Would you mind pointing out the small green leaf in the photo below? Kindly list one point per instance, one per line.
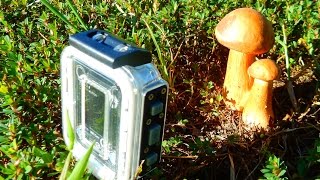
(3, 89)
(81, 165)
(270, 166)
(4, 140)
(45, 156)
(264, 170)
(282, 43)
(6, 170)
(282, 173)
(268, 175)
(28, 169)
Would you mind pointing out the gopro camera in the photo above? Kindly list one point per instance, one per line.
(116, 98)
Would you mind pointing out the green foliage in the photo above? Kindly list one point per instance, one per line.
(210, 99)
(29, 98)
(312, 159)
(75, 12)
(167, 145)
(274, 169)
(32, 38)
(57, 13)
(202, 147)
(30, 46)
(300, 19)
(162, 63)
(21, 157)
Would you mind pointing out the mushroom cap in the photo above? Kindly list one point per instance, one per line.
(245, 30)
(264, 69)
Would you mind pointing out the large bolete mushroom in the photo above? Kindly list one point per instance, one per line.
(258, 108)
(246, 33)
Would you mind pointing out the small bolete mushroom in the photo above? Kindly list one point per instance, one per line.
(246, 32)
(257, 110)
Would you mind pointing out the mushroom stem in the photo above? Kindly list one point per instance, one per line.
(237, 82)
(258, 109)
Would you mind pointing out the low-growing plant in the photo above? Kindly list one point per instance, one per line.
(202, 147)
(167, 145)
(210, 99)
(274, 169)
(306, 163)
(21, 157)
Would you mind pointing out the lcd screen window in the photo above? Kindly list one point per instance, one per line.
(95, 115)
(98, 111)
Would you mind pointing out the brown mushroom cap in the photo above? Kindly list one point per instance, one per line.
(245, 30)
(264, 69)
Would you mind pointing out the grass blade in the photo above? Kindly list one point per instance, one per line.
(75, 12)
(57, 13)
(81, 165)
(163, 64)
(284, 44)
(64, 171)
(70, 132)
(288, 68)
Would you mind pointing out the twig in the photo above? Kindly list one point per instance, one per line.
(232, 173)
(254, 169)
(247, 168)
(189, 169)
(292, 95)
(179, 157)
(317, 128)
(304, 113)
(176, 55)
(315, 112)
(290, 130)
(43, 36)
(280, 58)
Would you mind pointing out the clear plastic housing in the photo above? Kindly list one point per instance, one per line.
(105, 106)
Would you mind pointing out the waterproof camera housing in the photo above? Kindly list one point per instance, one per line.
(114, 96)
